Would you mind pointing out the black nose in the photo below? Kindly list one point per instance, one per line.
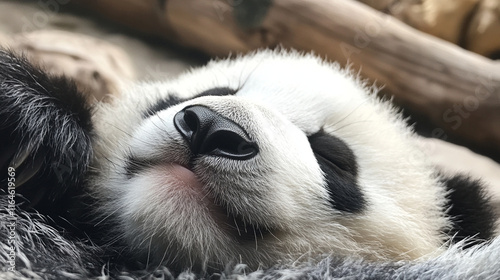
(209, 133)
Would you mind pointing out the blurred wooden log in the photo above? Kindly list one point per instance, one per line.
(453, 91)
(472, 24)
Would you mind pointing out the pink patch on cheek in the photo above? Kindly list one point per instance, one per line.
(173, 180)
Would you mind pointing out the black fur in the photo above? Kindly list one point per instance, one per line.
(338, 163)
(45, 248)
(469, 209)
(173, 100)
(218, 91)
(47, 119)
(163, 104)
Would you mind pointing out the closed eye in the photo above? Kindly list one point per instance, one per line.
(173, 100)
(334, 150)
(338, 163)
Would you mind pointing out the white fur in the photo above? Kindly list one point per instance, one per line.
(282, 98)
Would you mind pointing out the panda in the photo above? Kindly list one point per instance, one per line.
(276, 163)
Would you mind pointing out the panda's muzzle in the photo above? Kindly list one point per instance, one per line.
(209, 133)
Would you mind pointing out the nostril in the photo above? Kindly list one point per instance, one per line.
(229, 144)
(210, 133)
(181, 125)
(192, 121)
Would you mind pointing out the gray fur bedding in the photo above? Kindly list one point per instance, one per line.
(44, 254)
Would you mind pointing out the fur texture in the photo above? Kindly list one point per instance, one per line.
(50, 164)
(63, 259)
(275, 160)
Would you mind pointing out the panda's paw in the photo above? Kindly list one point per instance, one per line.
(45, 130)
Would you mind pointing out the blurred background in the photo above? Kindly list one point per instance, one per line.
(437, 59)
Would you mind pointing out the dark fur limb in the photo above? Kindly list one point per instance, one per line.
(45, 128)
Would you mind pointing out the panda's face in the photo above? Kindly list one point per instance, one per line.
(261, 159)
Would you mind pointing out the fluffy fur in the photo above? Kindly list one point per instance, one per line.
(264, 160)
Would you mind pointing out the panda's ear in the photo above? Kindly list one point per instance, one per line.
(45, 134)
(469, 209)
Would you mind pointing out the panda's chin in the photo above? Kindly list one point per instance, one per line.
(175, 180)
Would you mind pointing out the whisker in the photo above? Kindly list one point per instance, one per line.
(237, 227)
(107, 216)
(149, 250)
(271, 233)
(255, 235)
(349, 124)
(349, 114)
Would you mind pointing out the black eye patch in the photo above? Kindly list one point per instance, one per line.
(174, 100)
(338, 163)
(219, 91)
